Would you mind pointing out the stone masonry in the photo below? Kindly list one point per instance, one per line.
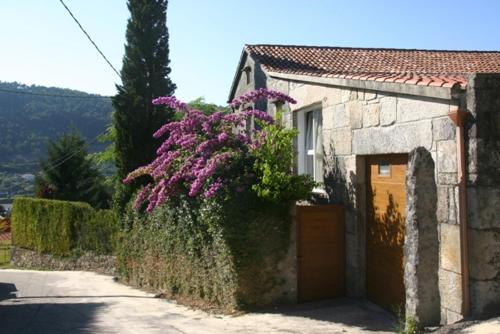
(28, 259)
(483, 103)
(359, 122)
(421, 247)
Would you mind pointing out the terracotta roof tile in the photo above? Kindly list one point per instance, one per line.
(416, 67)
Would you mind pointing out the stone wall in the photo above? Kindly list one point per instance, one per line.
(483, 191)
(359, 122)
(28, 259)
(250, 78)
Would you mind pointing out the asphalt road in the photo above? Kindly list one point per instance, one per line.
(84, 302)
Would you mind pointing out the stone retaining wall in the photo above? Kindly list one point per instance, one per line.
(102, 264)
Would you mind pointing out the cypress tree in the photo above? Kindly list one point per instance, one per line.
(144, 76)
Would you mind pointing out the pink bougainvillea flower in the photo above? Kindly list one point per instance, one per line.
(171, 102)
(259, 94)
(199, 150)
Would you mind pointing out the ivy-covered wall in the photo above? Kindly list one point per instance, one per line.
(228, 256)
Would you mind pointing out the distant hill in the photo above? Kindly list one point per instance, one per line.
(31, 116)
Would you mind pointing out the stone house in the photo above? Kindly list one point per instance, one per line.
(408, 142)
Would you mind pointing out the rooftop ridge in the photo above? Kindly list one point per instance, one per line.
(367, 48)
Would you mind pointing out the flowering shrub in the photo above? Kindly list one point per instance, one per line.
(260, 94)
(204, 155)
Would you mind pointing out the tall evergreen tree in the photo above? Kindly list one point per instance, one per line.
(69, 174)
(144, 75)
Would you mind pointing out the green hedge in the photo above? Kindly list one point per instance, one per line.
(62, 228)
(224, 256)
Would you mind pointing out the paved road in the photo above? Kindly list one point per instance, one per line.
(84, 302)
(491, 326)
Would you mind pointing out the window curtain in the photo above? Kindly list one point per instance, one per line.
(318, 146)
(309, 145)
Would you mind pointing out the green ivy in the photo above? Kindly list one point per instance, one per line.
(219, 253)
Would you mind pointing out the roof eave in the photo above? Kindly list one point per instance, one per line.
(446, 93)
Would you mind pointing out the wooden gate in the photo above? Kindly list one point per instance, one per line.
(321, 252)
(386, 202)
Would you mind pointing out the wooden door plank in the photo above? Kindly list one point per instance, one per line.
(321, 252)
(386, 203)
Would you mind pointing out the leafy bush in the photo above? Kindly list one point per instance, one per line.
(61, 227)
(224, 254)
(274, 163)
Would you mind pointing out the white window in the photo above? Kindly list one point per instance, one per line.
(310, 144)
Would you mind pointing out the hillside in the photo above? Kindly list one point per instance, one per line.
(31, 116)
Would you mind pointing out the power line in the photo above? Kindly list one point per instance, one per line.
(90, 39)
(51, 167)
(54, 95)
(67, 157)
(71, 155)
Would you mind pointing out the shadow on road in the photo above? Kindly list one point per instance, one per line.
(84, 296)
(7, 291)
(46, 318)
(351, 312)
(16, 317)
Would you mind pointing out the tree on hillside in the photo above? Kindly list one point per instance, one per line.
(208, 108)
(69, 174)
(144, 76)
(31, 115)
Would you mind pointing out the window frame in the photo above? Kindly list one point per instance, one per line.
(302, 151)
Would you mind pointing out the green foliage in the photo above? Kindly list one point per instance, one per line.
(207, 108)
(219, 253)
(61, 228)
(121, 197)
(144, 76)
(108, 155)
(29, 121)
(105, 160)
(274, 166)
(5, 255)
(405, 324)
(69, 174)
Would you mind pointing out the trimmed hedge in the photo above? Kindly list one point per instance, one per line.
(225, 256)
(61, 227)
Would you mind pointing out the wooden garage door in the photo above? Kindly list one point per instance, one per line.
(386, 202)
(321, 252)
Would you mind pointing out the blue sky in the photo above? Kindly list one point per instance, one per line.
(40, 44)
